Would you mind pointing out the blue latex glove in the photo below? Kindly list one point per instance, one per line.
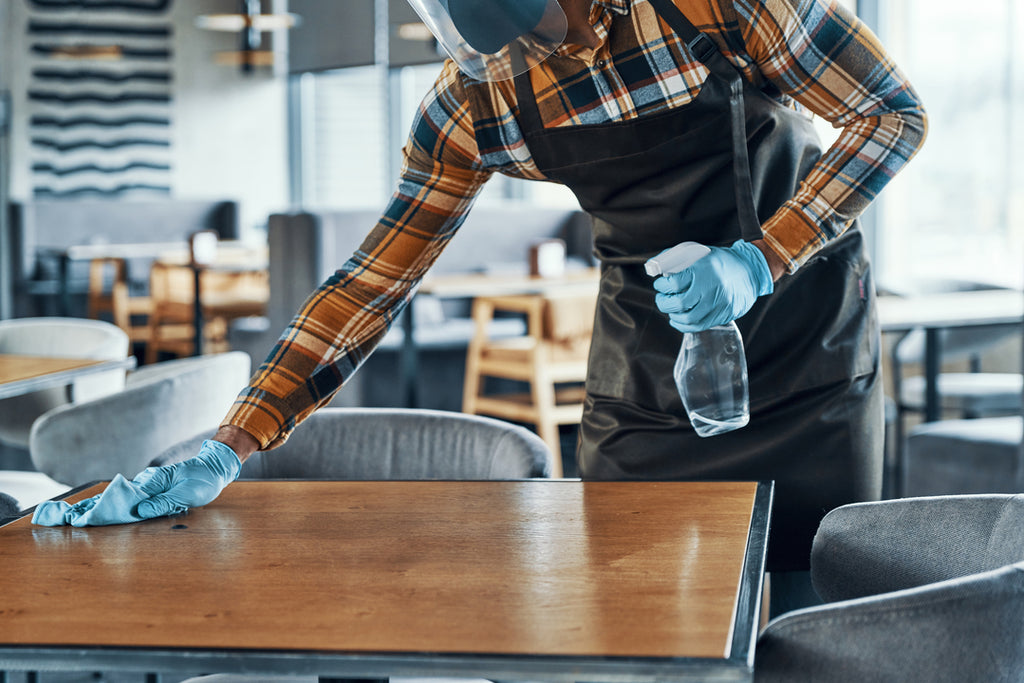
(154, 492)
(715, 290)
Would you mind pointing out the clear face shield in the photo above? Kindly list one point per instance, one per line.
(482, 36)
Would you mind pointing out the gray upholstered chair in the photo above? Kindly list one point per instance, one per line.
(393, 443)
(388, 443)
(9, 507)
(60, 337)
(120, 433)
(964, 456)
(922, 589)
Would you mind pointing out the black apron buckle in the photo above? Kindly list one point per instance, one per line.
(702, 48)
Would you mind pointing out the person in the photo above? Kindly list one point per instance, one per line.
(670, 120)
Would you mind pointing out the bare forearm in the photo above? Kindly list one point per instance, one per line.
(237, 439)
(775, 263)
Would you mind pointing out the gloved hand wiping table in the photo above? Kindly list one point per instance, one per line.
(154, 492)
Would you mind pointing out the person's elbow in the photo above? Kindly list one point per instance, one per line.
(909, 109)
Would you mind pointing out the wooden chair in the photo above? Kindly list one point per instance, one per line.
(123, 309)
(551, 358)
(228, 292)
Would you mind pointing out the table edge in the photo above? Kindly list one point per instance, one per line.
(66, 376)
(737, 665)
(746, 623)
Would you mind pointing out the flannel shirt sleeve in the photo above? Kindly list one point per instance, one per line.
(825, 58)
(346, 317)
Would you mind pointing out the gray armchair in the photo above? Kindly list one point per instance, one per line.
(921, 589)
(120, 433)
(965, 456)
(393, 443)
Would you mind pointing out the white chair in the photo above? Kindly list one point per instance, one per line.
(58, 337)
(120, 433)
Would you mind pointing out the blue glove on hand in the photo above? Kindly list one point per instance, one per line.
(155, 492)
(715, 290)
(194, 482)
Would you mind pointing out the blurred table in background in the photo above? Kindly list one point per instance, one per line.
(21, 374)
(472, 285)
(934, 312)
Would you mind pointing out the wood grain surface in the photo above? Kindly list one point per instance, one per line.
(537, 567)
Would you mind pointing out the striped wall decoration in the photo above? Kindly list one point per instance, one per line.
(100, 94)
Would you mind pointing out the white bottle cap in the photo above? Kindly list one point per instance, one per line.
(677, 258)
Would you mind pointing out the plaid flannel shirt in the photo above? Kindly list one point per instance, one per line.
(816, 54)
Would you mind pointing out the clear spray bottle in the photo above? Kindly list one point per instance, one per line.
(711, 370)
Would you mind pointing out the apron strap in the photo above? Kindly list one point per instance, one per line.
(708, 54)
(529, 114)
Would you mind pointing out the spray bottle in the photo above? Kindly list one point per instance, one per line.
(711, 369)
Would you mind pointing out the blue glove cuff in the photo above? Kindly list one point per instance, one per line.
(221, 459)
(761, 274)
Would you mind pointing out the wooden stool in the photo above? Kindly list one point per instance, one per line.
(117, 301)
(551, 358)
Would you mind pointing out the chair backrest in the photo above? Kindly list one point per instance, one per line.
(9, 507)
(59, 337)
(966, 629)
(120, 433)
(386, 443)
(865, 548)
(928, 589)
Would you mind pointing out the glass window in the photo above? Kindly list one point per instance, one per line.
(344, 145)
(353, 124)
(956, 211)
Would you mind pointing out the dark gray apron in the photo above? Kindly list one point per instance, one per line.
(712, 171)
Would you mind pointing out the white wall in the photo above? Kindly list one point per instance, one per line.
(229, 136)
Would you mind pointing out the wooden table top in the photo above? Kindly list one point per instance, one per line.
(21, 374)
(526, 568)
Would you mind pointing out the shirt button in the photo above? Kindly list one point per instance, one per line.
(601, 63)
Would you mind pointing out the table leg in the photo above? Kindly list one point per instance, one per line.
(932, 353)
(197, 313)
(63, 284)
(409, 361)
